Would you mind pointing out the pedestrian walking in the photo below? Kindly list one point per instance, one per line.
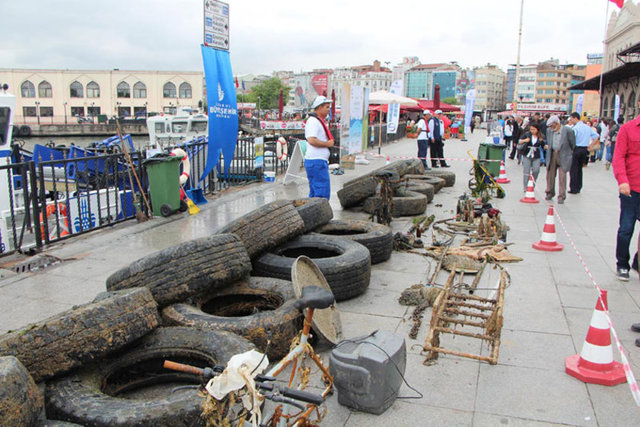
(517, 132)
(626, 169)
(585, 138)
(508, 133)
(603, 131)
(613, 135)
(423, 137)
(529, 146)
(319, 139)
(560, 142)
(436, 140)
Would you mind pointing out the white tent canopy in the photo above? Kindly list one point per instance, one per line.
(384, 97)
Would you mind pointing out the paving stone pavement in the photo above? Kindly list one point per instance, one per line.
(548, 305)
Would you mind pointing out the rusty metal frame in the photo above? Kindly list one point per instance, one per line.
(453, 307)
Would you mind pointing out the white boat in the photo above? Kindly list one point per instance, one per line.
(166, 131)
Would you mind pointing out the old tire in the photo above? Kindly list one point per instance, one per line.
(82, 334)
(377, 238)
(345, 264)
(187, 269)
(25, 131)
(267, 226)
(438, 183)
(20, 400)
(315, 211)
(448, 176)
(100, 394)
(415, 167)
(258, 309)
(409, 204)
(417, 187)
(355, 193)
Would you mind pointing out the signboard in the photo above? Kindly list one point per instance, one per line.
(538, 107)
(216, 24)
(270, 125)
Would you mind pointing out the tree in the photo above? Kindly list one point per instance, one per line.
(451, 101)
(269, 92)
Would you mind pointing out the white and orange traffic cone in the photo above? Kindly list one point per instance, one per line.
(595, 362)
(388, 160)
(529, 195)
(502, 178)
(548, 240)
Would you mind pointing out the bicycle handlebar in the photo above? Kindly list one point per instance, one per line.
(278, 392)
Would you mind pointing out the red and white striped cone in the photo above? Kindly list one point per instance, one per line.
(595, 362)
(388, 160)
(529, 195)
(548, 240)
(502, 178)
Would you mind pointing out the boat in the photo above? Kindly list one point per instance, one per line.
(167, 131)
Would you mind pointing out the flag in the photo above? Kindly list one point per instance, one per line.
(223, 109)
(243, 85)
(236, 82)
(618, 3)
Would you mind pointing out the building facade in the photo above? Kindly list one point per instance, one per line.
(420, 81)
(489, 84)
(374, 77)
(62, 96)
(623, 31)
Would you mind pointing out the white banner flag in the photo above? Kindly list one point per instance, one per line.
(393, 112)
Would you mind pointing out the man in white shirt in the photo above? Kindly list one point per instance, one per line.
(319, 139)
(423, 137)
(436, 140)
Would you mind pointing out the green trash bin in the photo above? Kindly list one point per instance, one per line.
(163, 172)
(491, 152)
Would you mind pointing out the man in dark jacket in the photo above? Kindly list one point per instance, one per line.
(560, 144)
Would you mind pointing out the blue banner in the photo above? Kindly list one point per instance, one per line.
(468, 109)
(222, 108)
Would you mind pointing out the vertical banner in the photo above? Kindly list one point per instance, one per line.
(365, 121)
(616, 112)
(393, 116)
(356, 110)
(468, 110)
(579, 104)
(345, 115)
(222, 108)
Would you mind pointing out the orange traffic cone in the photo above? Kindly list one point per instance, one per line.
(388, 160)
(595, 362)
(502, 178)
(548, 240)
(529, 196)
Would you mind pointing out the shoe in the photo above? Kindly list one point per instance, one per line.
(435, 166)
(561, 201)
(427, 168)
(635, 327)
(573, 192)
(549, 198)
(607, 166)
(622, 274)
(638, 342)
(445, 166)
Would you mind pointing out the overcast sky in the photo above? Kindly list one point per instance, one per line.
(291, 35)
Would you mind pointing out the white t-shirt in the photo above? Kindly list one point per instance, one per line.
(422, 129)
(313, 128)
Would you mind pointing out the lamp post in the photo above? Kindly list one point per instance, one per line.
(145, 109)
(38, 111)
(65, 112)
(259, 112)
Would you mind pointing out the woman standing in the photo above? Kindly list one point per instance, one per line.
(529, 146)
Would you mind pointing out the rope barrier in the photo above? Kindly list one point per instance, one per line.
(631, 380)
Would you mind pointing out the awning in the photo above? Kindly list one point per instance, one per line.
(620, 73)
(426, 104)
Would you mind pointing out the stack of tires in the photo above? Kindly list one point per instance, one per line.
(410, 197)
(198, 302)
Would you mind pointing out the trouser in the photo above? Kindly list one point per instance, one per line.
(610, 149)
(318, 176)
(529, 166)
(422, 151)
(554, 167)
(629, 214)
(580, 155)
(437, 152)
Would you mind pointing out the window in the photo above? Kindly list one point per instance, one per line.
(77, 111)
(169, 110)
(28, 90)
(139, 111)
(185, 90)
(550, 74)
(93, 90)
(548, 91)
(29, 111)
(124, 112)
(93, 111)
(631, 105)
(46, 111)
(179, 127)
(540, 74)
(123, 90)
(169, 90)
(539, 91)
(139, 90)
(44, 90)
(76, 90)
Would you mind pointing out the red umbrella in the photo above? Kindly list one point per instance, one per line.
(436, 97)
(333, 105)
(280, 104)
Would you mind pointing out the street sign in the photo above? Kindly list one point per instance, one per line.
(216, 24)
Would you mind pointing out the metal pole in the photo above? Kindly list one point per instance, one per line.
(514, 104)
(604, 42)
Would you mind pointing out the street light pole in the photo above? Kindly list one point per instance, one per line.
(514, 105)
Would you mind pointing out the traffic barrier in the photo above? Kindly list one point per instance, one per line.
(548, 240)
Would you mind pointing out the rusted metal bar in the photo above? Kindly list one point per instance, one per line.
(466, 313)
(476, 306)
(474, 297)
(464, 333)
(461, 321)
(436, 350)
(476, 279)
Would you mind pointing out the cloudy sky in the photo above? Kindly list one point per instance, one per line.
(291, 35)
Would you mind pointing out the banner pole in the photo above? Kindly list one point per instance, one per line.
(604, 43)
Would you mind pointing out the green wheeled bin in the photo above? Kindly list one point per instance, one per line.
(163, 172)
(491, 152)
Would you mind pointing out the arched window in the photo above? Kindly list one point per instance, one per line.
(44, 89)
(139, 90)
(28, 89)
(93, 90)
(124, 90)
(169, 90)
(605, 103)
(185, 90)
(76, 90)
(631, 106)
